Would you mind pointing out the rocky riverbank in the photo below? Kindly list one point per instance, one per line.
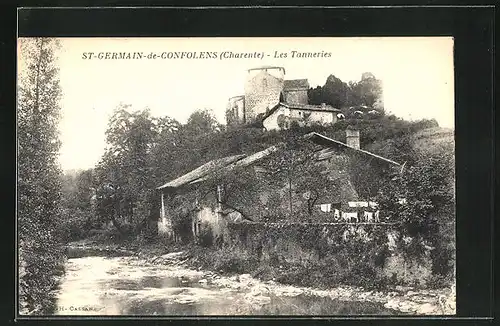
(406, 300)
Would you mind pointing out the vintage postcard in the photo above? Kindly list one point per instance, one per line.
(236, 176)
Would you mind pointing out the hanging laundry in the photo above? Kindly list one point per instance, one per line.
(357, 204)
(368, 216)
(326, 208)
(376, 216)
(349, 217)
(336, 214)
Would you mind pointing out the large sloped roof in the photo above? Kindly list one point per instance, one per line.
(247, 160)
(226, 164)
(334, 145)
(222, 165)
(201, 171)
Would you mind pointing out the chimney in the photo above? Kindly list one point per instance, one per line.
(352, 137)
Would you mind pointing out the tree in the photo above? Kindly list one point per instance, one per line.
(428, 212)
(78, 215)
(39, 183)
(295, 169)
(125, 176)
(202, 122)
(335, 92)
(315, 95)
(195, 141)
(367, 91)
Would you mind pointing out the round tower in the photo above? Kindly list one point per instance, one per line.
(263, 88)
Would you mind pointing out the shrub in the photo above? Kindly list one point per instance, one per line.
(74, 224)
(233, 260)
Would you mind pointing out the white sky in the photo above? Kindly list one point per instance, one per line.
(417, 76)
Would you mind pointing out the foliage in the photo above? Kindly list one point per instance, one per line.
(428, 211)
(350, 261)
(366, 92)
(125, 177)
(78, 214)
(39, 183)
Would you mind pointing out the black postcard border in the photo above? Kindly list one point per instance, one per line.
(471, 26)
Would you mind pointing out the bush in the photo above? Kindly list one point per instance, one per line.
(40, 267)
(206, 239)
(440, 281)
(74, 224)
(233, 260)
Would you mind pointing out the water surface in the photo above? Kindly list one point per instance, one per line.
(101, 285)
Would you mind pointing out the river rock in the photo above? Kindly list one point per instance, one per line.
(410, 293)
(426, 309)
(184, 299)
(405, 307)
(257, 300)
(224, 282)
(259, 290)
(288, 291)
(391, 304)
(245, 278)
(401, 288)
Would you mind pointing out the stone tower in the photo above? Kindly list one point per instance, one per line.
(263, 89)
(235, 111)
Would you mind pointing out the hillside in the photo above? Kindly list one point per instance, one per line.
(431, 139)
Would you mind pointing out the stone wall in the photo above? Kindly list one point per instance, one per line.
(262, 92)
(296, 96)
(311, 243)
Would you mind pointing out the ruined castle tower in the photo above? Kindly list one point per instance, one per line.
(235, 111)
(263, 88)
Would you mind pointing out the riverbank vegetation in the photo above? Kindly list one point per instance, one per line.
(40, 254)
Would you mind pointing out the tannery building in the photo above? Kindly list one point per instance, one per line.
(209, 211)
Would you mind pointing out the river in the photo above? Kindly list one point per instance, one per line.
(131, 285)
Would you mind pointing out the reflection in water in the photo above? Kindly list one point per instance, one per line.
(129, 286)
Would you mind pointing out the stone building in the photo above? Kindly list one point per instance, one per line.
(295, 91)
(273, 102)
(207, 213)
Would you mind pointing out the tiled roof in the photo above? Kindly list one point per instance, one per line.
(223, 165)
(228, 163)
(310, 107)
(335, 145)
(202, 171)
(294, 84)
